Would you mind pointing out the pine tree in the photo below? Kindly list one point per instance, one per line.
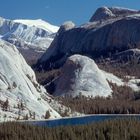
(5, 105)
(47, 115)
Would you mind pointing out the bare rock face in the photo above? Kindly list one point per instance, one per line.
(53, 50)
(81, 76)
(104, 13)
(18, 85)
(93, 40)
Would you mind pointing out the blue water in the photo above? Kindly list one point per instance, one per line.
(80, 120)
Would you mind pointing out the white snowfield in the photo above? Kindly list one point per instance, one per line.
(80, 75)
(18, 84)
(39, 23)
(133, 83)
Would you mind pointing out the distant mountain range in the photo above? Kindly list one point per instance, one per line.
(35, 34)
(31, 35)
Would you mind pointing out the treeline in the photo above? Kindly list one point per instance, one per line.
(123, 101)
(46, 79)
(102, 105)
(120, 69)
(127, 129)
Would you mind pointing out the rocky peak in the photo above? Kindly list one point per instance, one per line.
(104, 13)
(66, 26)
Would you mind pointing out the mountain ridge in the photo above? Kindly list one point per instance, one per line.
(18, 86)
(28, 34)
(38, 23)
(94, 39)
(104, 13)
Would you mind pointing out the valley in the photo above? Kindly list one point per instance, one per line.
(72, 75)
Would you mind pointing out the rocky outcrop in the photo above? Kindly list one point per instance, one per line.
(104, 13)
(66, 26)
(55, 51)
(94, 40)
(18, 85)
(81, 76)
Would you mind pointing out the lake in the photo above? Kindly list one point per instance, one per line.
(80, 120)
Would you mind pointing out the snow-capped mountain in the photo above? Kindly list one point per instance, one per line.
(35, 34)
(81, 76)
(18, 85)
(39, 23)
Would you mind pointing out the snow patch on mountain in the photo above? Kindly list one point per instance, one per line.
(132, 82)
(39, 23)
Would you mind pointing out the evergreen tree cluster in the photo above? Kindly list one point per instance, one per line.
(99, 105)
(119, 129)
(120, 68)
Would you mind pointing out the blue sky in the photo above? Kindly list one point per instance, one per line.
(58, 11)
